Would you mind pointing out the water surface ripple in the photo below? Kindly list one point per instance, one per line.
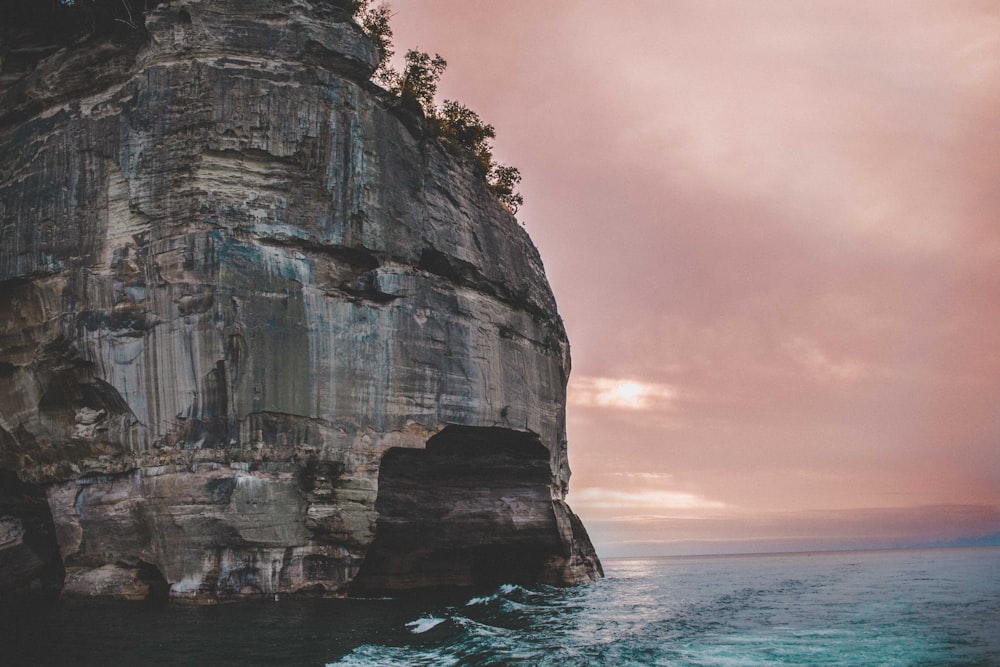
(907, 607)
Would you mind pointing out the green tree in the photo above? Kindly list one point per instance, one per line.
(419, 79)
(455, 123)
(375, 22)
(503, 180)
(463, 127)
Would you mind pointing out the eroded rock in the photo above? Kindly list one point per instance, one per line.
(236, 292)
(473, 509)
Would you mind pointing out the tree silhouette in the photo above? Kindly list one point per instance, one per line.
(454, 122)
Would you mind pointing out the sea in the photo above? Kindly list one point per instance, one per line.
(895, 607)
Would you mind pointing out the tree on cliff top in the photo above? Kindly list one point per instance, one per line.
(454, 122)
(419, 79)
(463, 127)
(375, 22)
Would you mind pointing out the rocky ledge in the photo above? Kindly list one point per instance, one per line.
(258, 335)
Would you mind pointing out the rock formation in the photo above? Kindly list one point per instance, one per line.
(260, 333)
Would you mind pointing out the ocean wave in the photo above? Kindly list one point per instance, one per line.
(485, 599)
(721, 612)
(368, 655)
(422, 625)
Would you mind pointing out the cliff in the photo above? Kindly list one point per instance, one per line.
(259, 332)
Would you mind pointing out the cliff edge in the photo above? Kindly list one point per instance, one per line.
(258, 335)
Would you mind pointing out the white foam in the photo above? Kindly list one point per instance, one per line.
(422, 625)
(481, 600)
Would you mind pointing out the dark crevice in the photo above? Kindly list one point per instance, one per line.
(253, 155)
(314, 474)
(466, 274)
(30, 564)
(159, 588)
(436, 262)
(207, 419)
(358, 258)
(352, 272)
(365, 287)
(357, 277)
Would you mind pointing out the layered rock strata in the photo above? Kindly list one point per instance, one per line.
(259, 332)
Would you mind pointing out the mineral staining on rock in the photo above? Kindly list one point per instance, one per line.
(258, 336)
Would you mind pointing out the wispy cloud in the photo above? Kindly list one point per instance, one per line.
(643, 475)
(810, 356)
(620, 393)
(617, 499)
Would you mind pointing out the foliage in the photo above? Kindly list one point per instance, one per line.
(455, 123)
(503, 180)
(419, 80)
(375, 22)
(463, 127)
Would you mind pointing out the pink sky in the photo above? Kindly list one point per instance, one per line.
(773, 230)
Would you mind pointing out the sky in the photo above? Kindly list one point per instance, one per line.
(773, 231)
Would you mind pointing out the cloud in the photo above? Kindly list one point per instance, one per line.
(621, 394)
(621, 500)
(643, 475)
(812, 358)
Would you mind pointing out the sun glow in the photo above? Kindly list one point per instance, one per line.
(619, 393)
(601, 498)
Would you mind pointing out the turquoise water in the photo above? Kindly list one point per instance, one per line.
(915, 607)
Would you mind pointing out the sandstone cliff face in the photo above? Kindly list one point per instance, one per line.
(258, 335)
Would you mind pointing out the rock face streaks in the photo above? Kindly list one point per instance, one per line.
(258, 334)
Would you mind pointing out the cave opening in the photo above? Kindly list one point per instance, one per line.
(472, 510)
(30, 563)
(158, 589)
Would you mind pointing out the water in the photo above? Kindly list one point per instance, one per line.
(918, 607)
